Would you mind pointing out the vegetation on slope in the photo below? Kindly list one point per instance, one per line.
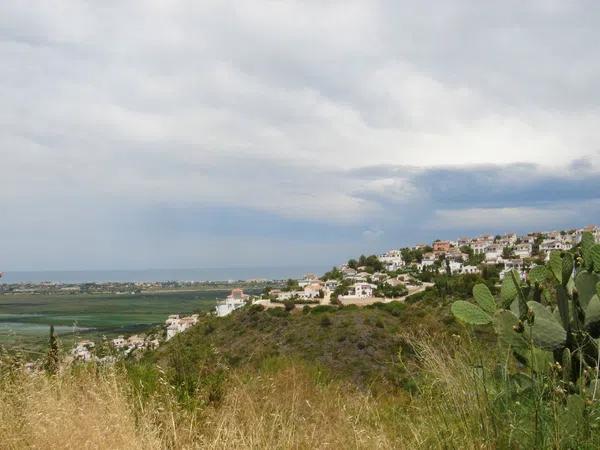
(360, 345)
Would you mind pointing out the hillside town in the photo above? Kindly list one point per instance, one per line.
(398, 273)
(468, 254)
(390, 276)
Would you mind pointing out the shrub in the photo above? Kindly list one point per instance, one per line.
(325, 321)
(393, 308)
(289, 305)
(277, 312)
(323, 309)
(256, 309)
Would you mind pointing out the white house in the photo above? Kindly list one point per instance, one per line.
(226, 307)
(470, 269)
(135, 341)
(119, 342)
(480, 247)
(463, 241)
(523, 250)
(456, 255)
(363, 290)
(175, 325)
(551, 245)
(313, 290)
(493, 253)
(392, 260)
(528, 239)
(83, 351)
(379, 276)
(516, 264)
(237, 299)
(284, 295)
(554, 235)
(348, 272)
(428, 260)
(455, 266)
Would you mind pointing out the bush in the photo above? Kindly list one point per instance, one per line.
(289, 305)
(325, 321)
(323, 309)
(277, 312)
(256, 308)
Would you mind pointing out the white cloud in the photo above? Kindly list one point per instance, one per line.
(275, 105)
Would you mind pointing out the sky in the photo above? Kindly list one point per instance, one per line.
(186, 134)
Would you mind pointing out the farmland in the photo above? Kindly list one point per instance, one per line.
(24, 319)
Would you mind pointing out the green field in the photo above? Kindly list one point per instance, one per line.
(25, 319)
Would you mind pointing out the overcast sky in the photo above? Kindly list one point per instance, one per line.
(174, 134)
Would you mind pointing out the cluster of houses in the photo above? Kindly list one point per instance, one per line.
(314, 290)
(85, 350)
(175, 324)
(510, 250)
(135, 342)
(310, 289)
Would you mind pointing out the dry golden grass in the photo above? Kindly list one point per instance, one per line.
(81, 411)
(453, 410)
(283, 406)
(287, 409)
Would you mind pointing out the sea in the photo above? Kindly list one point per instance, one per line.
(150, 275)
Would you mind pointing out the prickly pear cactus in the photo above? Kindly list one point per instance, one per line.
(470, 313)
(553, 316)
(545, 331)
(484, 298)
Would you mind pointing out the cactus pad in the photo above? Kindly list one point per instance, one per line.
(470, 313)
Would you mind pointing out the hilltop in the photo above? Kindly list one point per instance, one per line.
(357, 344)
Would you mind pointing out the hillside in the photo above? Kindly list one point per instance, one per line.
(359, 344)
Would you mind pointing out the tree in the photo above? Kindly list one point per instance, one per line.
(333, 274)
(52, 357)
(467, 249)
(508, 252)
(409, 255)
(475, 260)
(341, 289)
(388, 291)
(291, 285)
(535, 248)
